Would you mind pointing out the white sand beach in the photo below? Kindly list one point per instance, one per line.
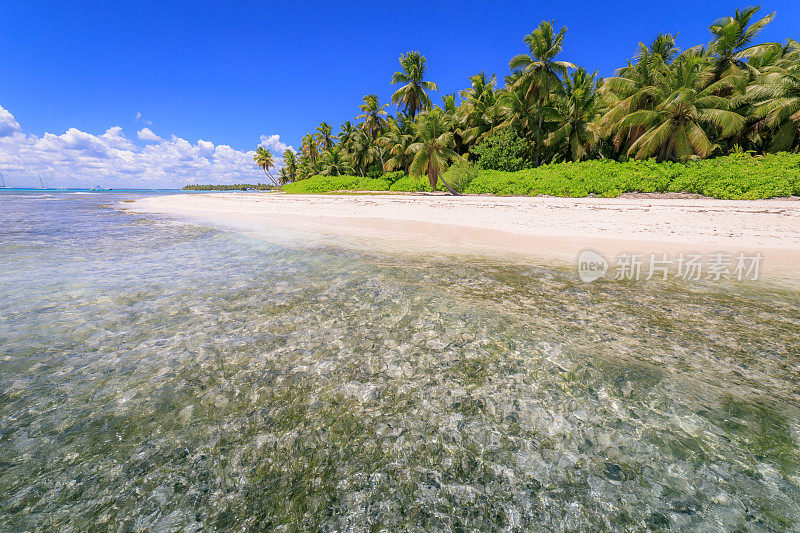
(533, 226)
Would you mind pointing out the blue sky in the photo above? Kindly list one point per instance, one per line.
(229, 74)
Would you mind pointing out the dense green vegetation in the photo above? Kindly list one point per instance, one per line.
(667, 105)
(231, 187)
(738, 176)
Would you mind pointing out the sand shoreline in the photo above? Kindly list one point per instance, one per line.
(550, 227)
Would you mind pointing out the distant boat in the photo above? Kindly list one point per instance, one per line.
(41, 181)
(98, 188)
(3, 182)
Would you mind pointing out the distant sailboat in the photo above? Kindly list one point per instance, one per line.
(3, 182)
(42, 182)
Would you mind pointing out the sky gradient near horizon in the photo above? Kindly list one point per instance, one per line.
(162, 94)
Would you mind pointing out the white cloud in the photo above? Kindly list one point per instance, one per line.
(8, 123)
(146, 134)
(274, 143)
(79, 159)
(140, 118)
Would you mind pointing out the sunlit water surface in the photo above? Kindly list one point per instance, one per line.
(165, 375)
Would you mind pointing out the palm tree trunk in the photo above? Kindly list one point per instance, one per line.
(539, 135)
(447, 185)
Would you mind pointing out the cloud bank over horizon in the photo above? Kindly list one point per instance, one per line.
(80, 159)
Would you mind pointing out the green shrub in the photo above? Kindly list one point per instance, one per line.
(504, 150)
(732, 177)
(737, 176)
(394, 176)
(459, 176)
(323, 184)
(411, 184)
(373, 184)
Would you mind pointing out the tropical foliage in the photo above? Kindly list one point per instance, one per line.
(732, 95)
(735, 177)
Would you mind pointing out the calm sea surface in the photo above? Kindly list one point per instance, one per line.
(164, 375)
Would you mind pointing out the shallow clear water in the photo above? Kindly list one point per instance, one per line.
(160, 374)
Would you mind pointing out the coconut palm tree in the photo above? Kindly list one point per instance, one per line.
(685, 104)
(520, 113)
(574, 111)
(335, 162)
(373, 115)
(777, 97)
(540, 71)
(433, 150)
(265, 161)
(412, 96)
(733, 37)
(396, 141)
(325, 135)
(346, 135)
(633, 89)
(478, 112)
(290, 164)
(308, 147)
(365, 151)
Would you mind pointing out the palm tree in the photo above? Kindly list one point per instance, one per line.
(335, 162)
(478, 112)
(365, 151)
(264, 160)
(325, 135)
(412, 96)
(733, 37)
(374, 119)
(574, 111)
(433, 150)
(373, 115)
(633, 89)
(673, 129)
(308, 147)
(283, 176)
(290, 164)
(520, 113)
(396, 141)
(540, 70)
(778, 106)
(346, 135)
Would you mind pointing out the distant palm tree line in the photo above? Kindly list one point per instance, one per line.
(666, 103)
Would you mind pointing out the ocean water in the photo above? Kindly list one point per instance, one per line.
(159, 374)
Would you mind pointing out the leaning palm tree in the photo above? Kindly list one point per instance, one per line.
(685, 105)
(540, 71)
(574, 111)
(433, 150)
(264, 160)
(325, 134)
(412, 96)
